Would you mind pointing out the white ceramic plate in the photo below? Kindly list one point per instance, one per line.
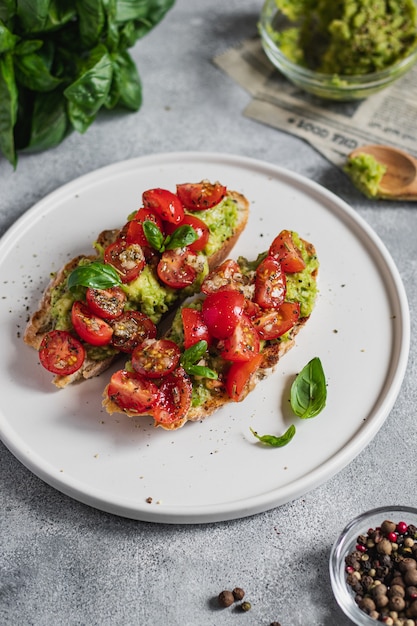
(214, 470)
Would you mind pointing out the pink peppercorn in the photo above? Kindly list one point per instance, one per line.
(402, 527)
(392, 537)
(360, 548)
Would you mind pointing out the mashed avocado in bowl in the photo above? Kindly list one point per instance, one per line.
(340, 49)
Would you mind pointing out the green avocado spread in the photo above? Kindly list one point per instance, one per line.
(366, 173)
(346, 37)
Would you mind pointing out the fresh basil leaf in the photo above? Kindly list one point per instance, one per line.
(181, 237)
(194, 353)
(276, 442)
(95, 275)
(202, 371)
(126, 89)
(250, 266)
(91, 21)
(33, 73)
(33, 14)
(309, 391)
(8, 108)
(49, 121)
(153, 235)
(8, 40)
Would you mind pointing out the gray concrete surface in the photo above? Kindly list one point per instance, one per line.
(64, 563)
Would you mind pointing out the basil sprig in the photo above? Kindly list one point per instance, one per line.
(309, 391)
(95, 275)
(276, 442)
(181, 237)
(191, 356)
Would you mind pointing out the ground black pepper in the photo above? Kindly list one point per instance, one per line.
(382, 572)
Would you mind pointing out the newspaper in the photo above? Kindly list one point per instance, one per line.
(333, 128)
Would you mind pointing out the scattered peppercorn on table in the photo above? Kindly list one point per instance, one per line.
(66, 561)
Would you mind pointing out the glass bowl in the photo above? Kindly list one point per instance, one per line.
(332, 87)
(346, 544)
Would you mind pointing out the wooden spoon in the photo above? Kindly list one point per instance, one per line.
(400, 180)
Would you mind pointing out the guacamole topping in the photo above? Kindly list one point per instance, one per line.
(346, 37)
(366, 173)
(221, 221)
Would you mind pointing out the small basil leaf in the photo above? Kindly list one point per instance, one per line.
(276, 442)
(95, 275)
(250, 266)
(202, 371)
(153, 235)
(181, 237)
(194, 353)
(308, 391)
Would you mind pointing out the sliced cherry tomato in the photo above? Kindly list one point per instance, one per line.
(165, 203)
(243, 343)
(127, 258)
(272, 324)
(200, 227)
(155, 358)
(91, 328)
(131, 329)
(178, 268)
(106, 303)
(61, 353)
(201, 196)
(134, 229)
(194, 327)
(227, 275)
(239, 375)
(270, 284)
(222, 311)
(286, 252)
(252, 309)
(132, 392)
(174, 397)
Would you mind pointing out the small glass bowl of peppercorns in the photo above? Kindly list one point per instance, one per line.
(373, 567)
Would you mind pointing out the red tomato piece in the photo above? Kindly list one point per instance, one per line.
(272, 324)
(194, 327)
(177, 268)
(201, 196)
(226, 276)
(106, 303)
(155, 358)
(200, 227)
(132, 392)
(174, 399)
(91, 328)
(243, 343)
(61, 353)
(222, 311)
(134, 229)
(127, 258)
(284, 250)
(165, 203)
(239, 375)
(270, 284)
(131, 329)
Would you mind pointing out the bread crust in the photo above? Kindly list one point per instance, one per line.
(41, 321)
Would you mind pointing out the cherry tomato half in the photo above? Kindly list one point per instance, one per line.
(286, 252)
(222, 311)
(165, 203)
(132, 392)
(243, 343)
(239, 376)
(127, 258)
(177, 268)
(200, 196)
(155, 358)
(61, 353)
(200, 227)
(106, 303)
(131, 329)
(134, 229)
(270, 284)
(227, 275)
(91, 328)
(272, 324)
(174, 397)
(194, 327)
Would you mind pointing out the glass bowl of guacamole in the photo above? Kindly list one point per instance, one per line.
(344, 50)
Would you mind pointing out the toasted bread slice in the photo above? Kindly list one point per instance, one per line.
(271, 352)
(42, 320)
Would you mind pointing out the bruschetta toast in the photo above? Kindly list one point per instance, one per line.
(224, 341)
(103, 304)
